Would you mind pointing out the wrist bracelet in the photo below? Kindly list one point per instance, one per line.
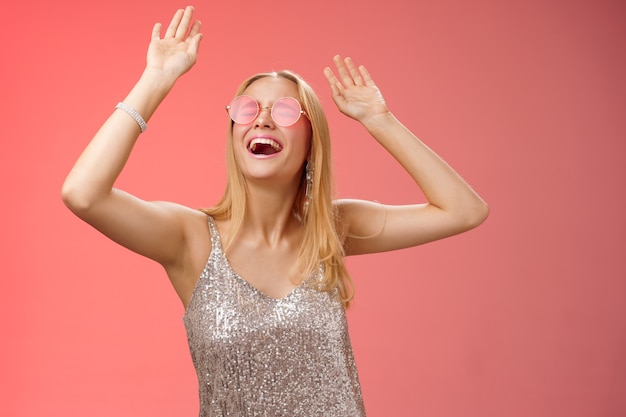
(134, 114)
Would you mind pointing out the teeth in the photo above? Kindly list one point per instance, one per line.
(264, 141)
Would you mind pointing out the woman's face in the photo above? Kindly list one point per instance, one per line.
(264, 150)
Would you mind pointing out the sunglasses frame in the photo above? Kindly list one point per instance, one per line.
(271, 108)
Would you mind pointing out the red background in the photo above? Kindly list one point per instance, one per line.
(524, 316)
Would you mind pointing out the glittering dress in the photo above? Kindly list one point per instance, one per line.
(260, 356)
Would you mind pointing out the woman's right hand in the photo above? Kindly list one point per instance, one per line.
(175, 53)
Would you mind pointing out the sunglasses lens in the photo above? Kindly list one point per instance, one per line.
(243, 109)
(286, 111)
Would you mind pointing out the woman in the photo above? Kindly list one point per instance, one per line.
(265, 314)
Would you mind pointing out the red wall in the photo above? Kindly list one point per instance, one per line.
(524, 316)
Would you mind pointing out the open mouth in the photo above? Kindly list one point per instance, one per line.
(264, 146)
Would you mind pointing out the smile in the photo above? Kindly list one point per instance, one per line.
(264, 146)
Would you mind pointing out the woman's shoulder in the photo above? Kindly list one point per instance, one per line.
(186, 216)
(359, 219)
(349, 209)
(193, 223)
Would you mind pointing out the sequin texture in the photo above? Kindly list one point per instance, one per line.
(260, 356)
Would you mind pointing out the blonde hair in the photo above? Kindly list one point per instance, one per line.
(321, 242)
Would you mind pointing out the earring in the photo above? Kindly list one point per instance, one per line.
(310, 168)
(309, 178)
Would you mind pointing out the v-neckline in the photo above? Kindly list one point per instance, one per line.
(253, 287)
(219, 250)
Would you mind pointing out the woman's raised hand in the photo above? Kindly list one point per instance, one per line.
(176, 52)
(354, 92)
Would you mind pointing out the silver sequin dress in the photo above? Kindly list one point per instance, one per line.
(260, 356)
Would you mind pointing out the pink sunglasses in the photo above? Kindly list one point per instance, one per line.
(284, 112)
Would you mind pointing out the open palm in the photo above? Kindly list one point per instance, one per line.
(176, 52)
(354, 91)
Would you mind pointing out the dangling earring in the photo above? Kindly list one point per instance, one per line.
(310, 168)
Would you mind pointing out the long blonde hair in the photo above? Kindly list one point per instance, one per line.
(321, 241)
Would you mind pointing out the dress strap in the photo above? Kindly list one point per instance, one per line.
(216, 242)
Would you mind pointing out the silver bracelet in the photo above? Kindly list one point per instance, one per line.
(134, 114)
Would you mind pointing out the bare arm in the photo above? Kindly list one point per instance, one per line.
(452, 207)
(156, 230)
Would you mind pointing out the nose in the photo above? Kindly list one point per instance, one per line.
(264, 118)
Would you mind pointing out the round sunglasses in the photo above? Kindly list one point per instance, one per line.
(284, 112)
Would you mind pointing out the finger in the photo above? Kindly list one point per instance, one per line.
(195, 29)
(344, 74)
(335, 85)
(354, 72)
(171, 29)
(366, 76)
(332, 79)
(183, 27)
(156, 31)
(194, 45)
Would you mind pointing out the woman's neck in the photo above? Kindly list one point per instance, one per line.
(269, 214)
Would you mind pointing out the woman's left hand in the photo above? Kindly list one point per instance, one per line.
(354, 92)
